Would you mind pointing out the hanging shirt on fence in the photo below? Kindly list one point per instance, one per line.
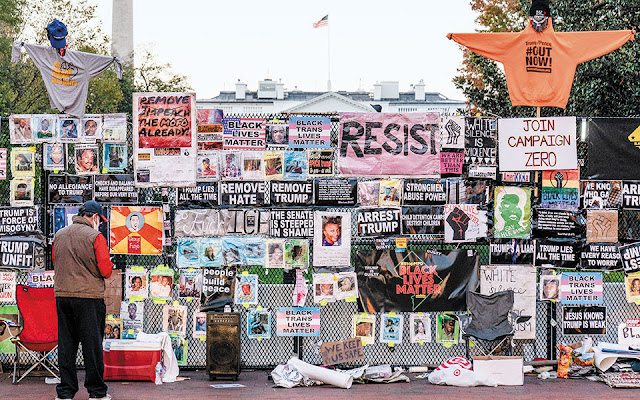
(67, 78)
(540, 66)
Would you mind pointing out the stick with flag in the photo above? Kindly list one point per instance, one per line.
(324, 21)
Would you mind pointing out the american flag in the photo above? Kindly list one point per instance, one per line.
(323, 22)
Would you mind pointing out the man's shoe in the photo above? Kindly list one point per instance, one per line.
(107, 397)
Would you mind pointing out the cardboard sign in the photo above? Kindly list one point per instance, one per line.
(288, 193)
(423, 192)
(240, 193)
(342, 352)
(336, 192)
(115, 189)
(581, 288)
(536, 144)
(602, 226)
(309, 132)
(584, 321)
(244, 133)
(73, 189)
(298, 321)
(17, 220)
(630, 255)
(291, 223)
(381, 144)
(378, 221)
(628, 335)
(600, 256)
(204, 194)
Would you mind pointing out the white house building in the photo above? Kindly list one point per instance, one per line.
(272, 98)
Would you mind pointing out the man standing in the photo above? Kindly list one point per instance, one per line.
(82, 263)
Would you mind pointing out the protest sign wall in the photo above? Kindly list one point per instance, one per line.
(581, 288)
(530, 144)
(309, 132)
(408, 281)
(421, 220)
(17, 220)
(378, 221)
(584, 321)
(115, 189)
(601, 194)
(522, 280)
(374, 144)
(336, 192)
(72, 189)
(164, 133)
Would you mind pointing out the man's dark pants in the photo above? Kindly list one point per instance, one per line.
(81, 321)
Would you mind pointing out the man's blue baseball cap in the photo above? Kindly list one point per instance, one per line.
(57, 32)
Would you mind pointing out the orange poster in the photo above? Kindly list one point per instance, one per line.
(136, 230)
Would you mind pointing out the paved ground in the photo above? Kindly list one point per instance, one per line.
(259, 387)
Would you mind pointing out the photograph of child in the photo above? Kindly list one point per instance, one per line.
(174, 319)
(391, 328)
(420, 328)
(54, 156)
(275, 253)
(448, 328)
(113, 328)
(363, 326)
(550, 287)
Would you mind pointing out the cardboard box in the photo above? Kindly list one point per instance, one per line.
(504, 370)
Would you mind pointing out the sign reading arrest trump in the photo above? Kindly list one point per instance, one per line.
(535, 144)
(373, 144)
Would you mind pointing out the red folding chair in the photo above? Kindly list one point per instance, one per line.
(39, 335)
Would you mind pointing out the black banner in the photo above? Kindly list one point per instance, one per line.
(21, 252)
(218, 286)
(422, 220)
(423, 192)
(630, 255)
(415, 280)
(320, 162)
(237, 193)
(72, 189)
(559, 255)
(115, 189)
(511, 251)
(613, 148)
(600, 256)
(556, 223)
(481, 138)
(203, 195)
(17, 220)
(336, 192)
(373, 222)
(291, 193)
(631, 194)
(584, 320)
(291, 224)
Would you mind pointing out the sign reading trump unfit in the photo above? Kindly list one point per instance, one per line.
(530, 144)
(389, 144)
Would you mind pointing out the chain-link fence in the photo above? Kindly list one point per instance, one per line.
(276, 286)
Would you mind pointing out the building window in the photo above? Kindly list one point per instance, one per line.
(252, 109)
(407, 109)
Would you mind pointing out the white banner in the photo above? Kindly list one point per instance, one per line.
(535, 144)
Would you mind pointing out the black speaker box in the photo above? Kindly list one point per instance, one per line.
(223, 345)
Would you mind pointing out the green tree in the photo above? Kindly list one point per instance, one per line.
(606, 86)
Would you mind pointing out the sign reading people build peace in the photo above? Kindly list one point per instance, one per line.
(535, 144)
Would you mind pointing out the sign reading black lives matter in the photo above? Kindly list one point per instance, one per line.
(511, 251)
(600, 256)
(630, 255)
(422, 220)
(16, 220)
(217, 287)
(242, 193)
(115, 189)
(72, 189)
(584, 321)
(556, 223)
(423, 192)
(291, 223)
(336, 192)
(557, 254)
(631, 194)
(481, 136)
(21, 252)
(378, 221)
(204, 194)
(290, 193)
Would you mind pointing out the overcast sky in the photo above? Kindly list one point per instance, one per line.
(215, 43)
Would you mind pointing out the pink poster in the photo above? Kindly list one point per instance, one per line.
(451, 162)
(373, 144)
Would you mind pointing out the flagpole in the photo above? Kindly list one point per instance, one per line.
(328, 55)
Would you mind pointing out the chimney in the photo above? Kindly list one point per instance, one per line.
(377, 91)
(279, 91)
(418, 89)
(241, 90)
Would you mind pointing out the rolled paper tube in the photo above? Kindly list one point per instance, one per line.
(322, 374)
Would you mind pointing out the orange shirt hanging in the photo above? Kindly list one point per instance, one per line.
(540, 66)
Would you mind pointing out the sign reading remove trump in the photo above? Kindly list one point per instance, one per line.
(389, 144)
(530, 144)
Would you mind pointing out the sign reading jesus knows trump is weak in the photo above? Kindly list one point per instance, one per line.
(535, 144)
(374, 144)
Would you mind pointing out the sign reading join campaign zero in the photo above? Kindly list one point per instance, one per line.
(535, 144)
